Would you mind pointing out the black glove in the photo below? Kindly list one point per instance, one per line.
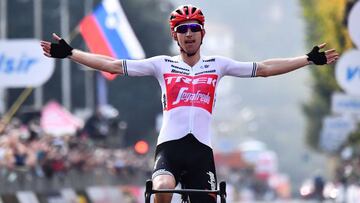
(60, 50)
(317, 57)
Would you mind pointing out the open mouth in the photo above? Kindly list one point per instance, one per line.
(189, 41)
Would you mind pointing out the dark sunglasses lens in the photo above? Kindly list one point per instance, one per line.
(192, 27)
(182, 29)
(195, 27)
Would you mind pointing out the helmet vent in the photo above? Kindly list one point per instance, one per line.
(193, 9)
(178, 11)
(186, 8)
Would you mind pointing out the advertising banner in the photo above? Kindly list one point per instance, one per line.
(353, 24)
(345, 104)
(334, 132)
(22, 64)
(348, 72)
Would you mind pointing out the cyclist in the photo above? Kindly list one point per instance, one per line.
(188, 82)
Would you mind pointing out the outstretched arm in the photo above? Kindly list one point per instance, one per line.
(284, 65)
(95, 61)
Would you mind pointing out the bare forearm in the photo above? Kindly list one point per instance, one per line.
(97, 61)
(281, 65)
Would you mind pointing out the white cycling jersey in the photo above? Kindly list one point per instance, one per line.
(188, 93)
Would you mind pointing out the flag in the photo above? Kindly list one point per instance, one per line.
(107, 31)
(57, 121)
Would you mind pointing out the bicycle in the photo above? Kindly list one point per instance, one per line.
(185, 192)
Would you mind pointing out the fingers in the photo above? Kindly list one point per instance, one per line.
(332, 58)
(56, 37)
(330, 51)
(46, 50)
(332, 55)
(46, 46)
(322, 45)
(331, 61)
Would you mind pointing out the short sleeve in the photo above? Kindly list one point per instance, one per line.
(143, 67)
(236, 68)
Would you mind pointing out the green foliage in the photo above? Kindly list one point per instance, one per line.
(325, 23)
(354, 138)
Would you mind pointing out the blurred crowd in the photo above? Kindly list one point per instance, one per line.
(27, 152)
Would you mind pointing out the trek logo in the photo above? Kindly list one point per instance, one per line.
(185, 90)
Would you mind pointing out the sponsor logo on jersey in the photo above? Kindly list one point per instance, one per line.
(171, 61)
(183, 90)
(181, 72)
(207, 71)
(177, 67)
(156, 161)
(209, 60)
(212, 180)
(164, 101)
(204, 66)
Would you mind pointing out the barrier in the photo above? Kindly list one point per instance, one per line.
(93, 194)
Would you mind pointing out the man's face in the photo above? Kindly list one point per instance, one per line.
(189, 35)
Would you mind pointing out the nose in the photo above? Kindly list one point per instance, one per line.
(188, 32)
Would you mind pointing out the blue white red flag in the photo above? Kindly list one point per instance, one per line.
(107, 31)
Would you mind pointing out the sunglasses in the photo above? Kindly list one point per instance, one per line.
(194, 27)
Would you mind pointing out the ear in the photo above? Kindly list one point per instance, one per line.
(203, 33)
(174, 36)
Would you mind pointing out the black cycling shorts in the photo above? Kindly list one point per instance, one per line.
(190, 162)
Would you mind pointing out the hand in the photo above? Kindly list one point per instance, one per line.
(322, 58)
(61, 49)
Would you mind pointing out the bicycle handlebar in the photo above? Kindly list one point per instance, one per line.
(221, 192)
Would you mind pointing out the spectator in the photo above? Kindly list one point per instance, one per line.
(97, 127)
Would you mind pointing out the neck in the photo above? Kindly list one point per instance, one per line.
(190, 60)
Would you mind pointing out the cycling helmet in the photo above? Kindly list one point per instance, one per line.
(185, 12)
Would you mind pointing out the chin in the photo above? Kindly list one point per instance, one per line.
(193, 50)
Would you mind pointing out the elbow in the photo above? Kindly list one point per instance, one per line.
(264, 74)
(263, 71)
(114, 71)
(109, 70)
(114, 68)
